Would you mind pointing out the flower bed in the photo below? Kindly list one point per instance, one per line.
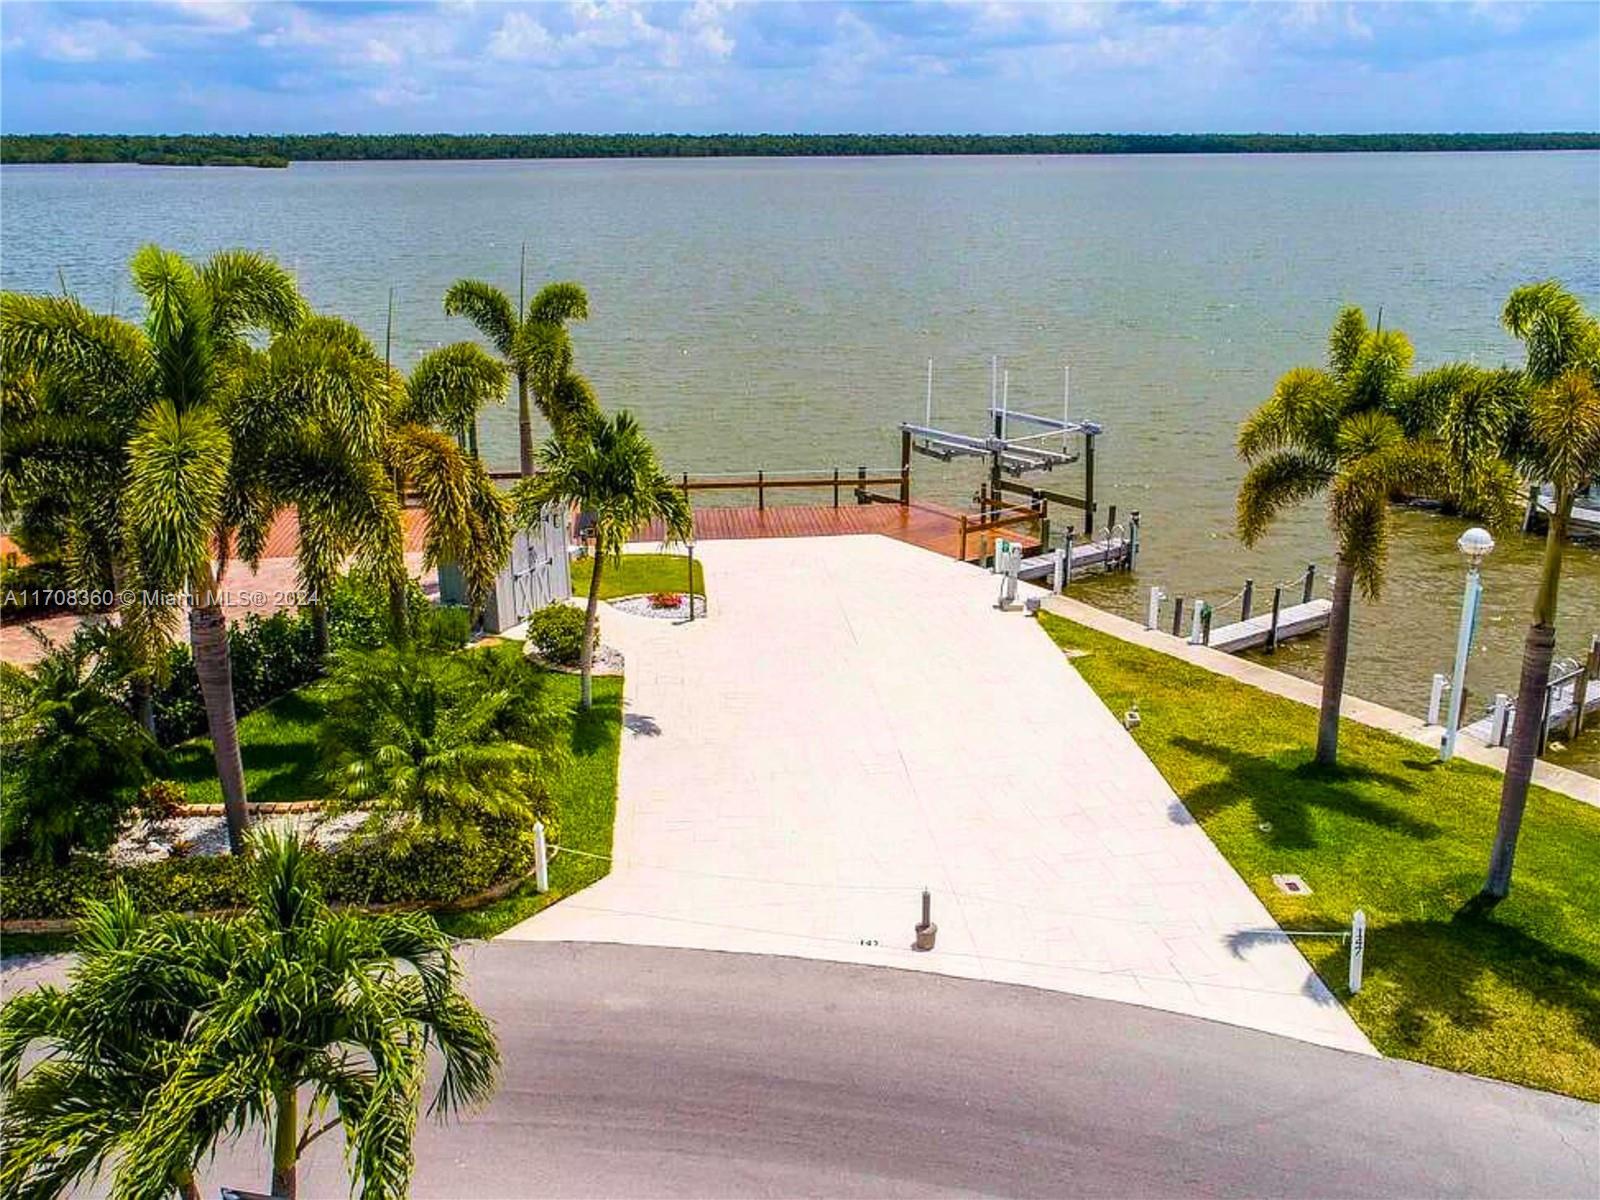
(653, 605)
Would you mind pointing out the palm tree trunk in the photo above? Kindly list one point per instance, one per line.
(586, 654)
(1335, 654)
(1538, 650)
(208, 634)
(524, 426)
(285, 1143)
(319, 630)
(144, 703)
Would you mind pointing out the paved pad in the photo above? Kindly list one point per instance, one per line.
(856, 721)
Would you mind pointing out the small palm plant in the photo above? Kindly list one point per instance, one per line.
(176, 1033)
(607, 467)
(1562, 381)
(1330, 431)
(428, 741)
(535, 345)
(71, 755)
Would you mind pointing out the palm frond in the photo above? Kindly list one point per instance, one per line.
(558, 303)
(487, 308)
(1273, 483)
(248, 290)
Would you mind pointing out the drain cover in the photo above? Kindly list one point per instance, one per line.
(1292, 884)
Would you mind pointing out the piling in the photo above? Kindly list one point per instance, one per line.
(1248, 600)
(1177, 617)
(1272, 630)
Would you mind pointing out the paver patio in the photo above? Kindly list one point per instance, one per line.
(856, 721)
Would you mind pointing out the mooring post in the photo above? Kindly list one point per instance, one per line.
(1152, 619)
(926, 930)
(1205, 624)
(1066, 544)
(541, 857)
(861, 485)
(1311, 581)
(905, 466)
(1132, 557)
(1177, 617)
(1580, 686)
(836, 487)
(1197, 622)
(963, 554)
(686, 485)
(1272, 631)
(1088, 483)
(761, 491)
(1436, 697)
(1058, 573)
(1248, 600)
(1498, 718)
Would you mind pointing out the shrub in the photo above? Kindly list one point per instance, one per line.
(161, 800)
(437, 869)
(556, 631)
(666, 600)
(270, 656)
(72, 757)
(358, 612)
(444, 741)
(444, 627)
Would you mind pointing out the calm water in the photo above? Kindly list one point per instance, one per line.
(778, 313)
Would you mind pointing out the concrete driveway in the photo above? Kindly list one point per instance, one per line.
(855, 721)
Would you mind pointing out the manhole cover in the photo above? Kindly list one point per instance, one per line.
(1292, 884)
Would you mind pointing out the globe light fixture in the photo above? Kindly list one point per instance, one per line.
(1475, 543)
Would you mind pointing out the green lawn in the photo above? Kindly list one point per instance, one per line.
(638, 574)
(1513, 994)
(278, 744)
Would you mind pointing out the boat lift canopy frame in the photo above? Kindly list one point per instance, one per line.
(1011, 454)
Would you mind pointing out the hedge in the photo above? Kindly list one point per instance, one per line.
(441, 868)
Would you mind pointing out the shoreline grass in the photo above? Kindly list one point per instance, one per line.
(1512, 994)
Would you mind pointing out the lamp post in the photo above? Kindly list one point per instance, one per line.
(690, 544)
(1475, 543)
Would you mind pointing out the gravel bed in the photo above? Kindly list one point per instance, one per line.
(640, 606)
(607, 661)
(146, 842)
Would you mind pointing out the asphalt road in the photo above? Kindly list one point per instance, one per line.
(635, 1071)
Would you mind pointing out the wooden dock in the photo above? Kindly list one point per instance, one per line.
(932, 526)
(1294, 621)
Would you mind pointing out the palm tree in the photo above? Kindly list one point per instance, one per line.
(428, 418)
(73, 393)
(179, 374)
(96, 1051)
(1330, 431)
(438, 742)
(176, 1032)
(607, 467)
(1563, 403)
(308, 430)
(534, 344)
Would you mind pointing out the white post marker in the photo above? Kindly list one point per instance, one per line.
(1436, 697)
(1358, 949)
(1152, 619)
(1058, 574)
(1194, 624)
(541, 859)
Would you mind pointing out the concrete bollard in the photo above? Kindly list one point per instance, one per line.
(1152, 618)
(927, 930)
(541, 859)
(1436, 697)
(1499, 719)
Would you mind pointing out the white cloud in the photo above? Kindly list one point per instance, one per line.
(522, 38)
(91, 41)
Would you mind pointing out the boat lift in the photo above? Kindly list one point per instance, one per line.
(1040, 444)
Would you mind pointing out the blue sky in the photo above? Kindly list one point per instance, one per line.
(878, 67)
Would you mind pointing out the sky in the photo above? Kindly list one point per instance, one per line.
(711, 66)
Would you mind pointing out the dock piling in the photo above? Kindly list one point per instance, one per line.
(1272, 630)
(1152, 618)
(1311, 582)
(1248, 599)
(1177, 617)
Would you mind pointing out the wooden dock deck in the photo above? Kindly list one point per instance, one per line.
(932, 526)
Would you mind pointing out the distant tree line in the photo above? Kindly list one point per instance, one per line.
(276, 150)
